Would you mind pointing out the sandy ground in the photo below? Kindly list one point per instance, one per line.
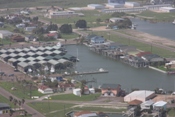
(151, 38)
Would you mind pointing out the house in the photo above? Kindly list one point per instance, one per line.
(31, 28)
(114, 5)
(134, 102)
(141, 95)
(30, 38)
(52, 35)
(160, 105)
(45, 89)
(25, 12)
(88, 37)
(4, 108)
(97, 39)
(110, 89)
(5, 33)
(147, 105)
(153, 59)
(26, 21)
(85, 114)
(167, 9)
(17, 38)
(66, 86)
(20, 25)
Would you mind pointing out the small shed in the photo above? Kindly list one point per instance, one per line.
(147, 105)
(77, 92)
(160, 105)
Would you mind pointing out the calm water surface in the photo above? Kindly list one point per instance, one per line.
(120, 73)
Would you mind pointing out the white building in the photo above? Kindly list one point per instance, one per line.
(95, 6)
(30, 28)
(92, 90)
(167, 9)
(44, 89)
(132, 4)
(147, 105)
(77, 92)
(5, 33)
(114, 5)
(62, 14)
(156, 7)
(142, 95)
(123, 10)
(160, 105)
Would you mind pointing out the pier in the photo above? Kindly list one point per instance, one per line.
(90, 72)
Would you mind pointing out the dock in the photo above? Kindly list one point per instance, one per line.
(85, 73)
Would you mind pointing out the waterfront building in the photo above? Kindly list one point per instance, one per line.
(5, 33)
(141, 95)
(97, 39)
(110, 89)
(160, 105)
(156, 7)
(45, 89)
(115, 19)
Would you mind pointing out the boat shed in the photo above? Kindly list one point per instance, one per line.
(142, 95)
(146, 105)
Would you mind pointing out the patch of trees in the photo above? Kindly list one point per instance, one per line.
(81, 24)
(52, 27)
(66, 28)
(118, 14)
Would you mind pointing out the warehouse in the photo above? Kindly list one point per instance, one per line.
(95, 6)
(167, 9)
(132, 4)
(114, 5)
(141, 95)
(5, 33)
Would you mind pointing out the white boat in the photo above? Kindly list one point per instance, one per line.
(173, 22)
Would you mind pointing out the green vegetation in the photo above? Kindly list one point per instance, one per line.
(171, 113)
(90, 16)
(76, 98)
(61, 3)
(145, 47)
(69, 36)
(5, 100)
(51, 109)
(21, 91)
(100, 109)
(157, 16)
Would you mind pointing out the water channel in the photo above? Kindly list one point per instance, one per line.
(128, 77)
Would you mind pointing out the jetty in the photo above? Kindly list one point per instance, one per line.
(100, 71)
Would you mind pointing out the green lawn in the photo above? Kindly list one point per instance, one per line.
(158, 16)
(5, 100)
(69, 36)
(145, 47)
(100, 109)
(90, 16)
(60, 3)
(76, 98)
(51, 109)
(171, 113)
(21, 91)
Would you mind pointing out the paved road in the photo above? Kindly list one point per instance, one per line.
(25, 106)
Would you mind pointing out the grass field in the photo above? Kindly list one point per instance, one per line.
(76, 98)
(69, 36)
(100, 109)
(21, 91)
(158, 16)
(145, 47)
(61, 3)
(5, 100)
(51, 109)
